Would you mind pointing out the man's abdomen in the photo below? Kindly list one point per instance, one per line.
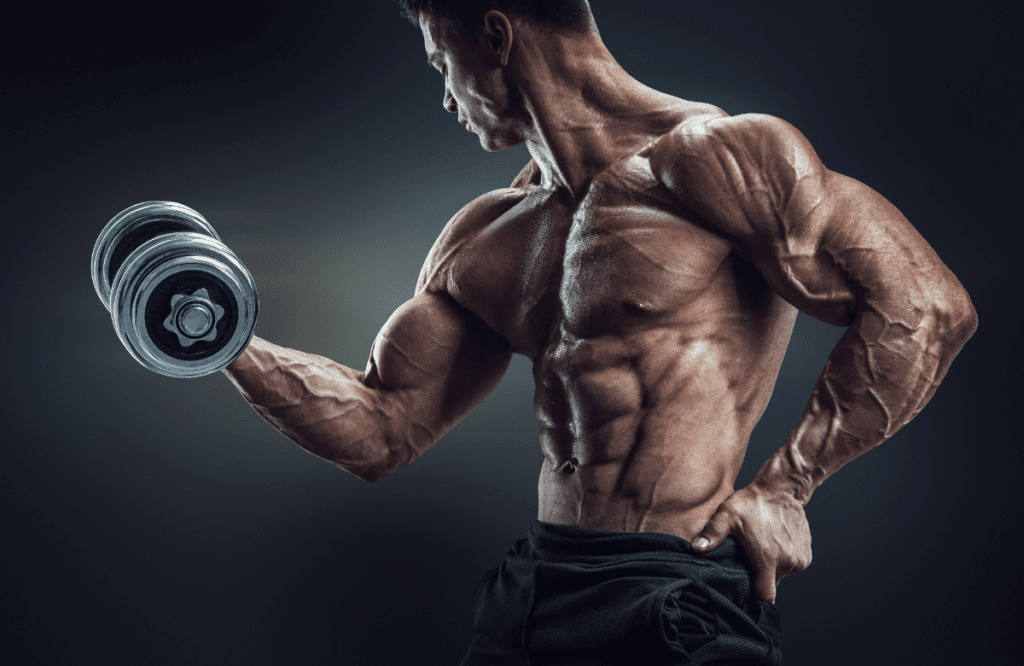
(646, 432)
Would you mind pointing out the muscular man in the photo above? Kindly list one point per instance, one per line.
(650, 261)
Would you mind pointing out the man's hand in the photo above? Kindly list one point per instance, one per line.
(771, 527)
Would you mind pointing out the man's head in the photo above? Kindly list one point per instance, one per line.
(467, 16)
(472, 43)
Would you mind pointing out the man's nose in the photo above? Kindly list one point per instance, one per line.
(449, 101)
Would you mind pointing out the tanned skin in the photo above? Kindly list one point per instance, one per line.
(650, 261)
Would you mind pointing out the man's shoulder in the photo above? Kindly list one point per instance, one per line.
(709, 134)
(712, 158)
(463, 229)
(529, 177)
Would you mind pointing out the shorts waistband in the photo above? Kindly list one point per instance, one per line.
(563, 541)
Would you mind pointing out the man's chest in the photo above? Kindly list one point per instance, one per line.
(625, 256)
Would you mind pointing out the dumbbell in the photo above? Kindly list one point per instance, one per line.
(181, 302)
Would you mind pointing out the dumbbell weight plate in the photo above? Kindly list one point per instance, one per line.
(183, 305)
(131, 228)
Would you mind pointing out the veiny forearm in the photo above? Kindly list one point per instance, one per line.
(324, 407)
(880, 375)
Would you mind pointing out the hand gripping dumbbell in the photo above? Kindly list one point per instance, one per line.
(181, 301)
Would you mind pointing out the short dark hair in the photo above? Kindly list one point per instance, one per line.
(468, 15)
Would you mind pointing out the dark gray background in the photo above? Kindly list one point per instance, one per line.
(153, 521)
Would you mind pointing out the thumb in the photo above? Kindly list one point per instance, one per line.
(712, 535)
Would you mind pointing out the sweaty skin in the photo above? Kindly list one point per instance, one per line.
(650, 261)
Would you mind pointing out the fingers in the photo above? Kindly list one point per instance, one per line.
(764, 565)
(773, 533)
(764, 584)
(712, 535)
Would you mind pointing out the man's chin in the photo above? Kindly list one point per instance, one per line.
(494, 144)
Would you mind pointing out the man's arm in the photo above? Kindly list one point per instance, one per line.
(840, 252)
(431, 365)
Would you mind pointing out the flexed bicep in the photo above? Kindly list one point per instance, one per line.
(431, 364)
(436, 362)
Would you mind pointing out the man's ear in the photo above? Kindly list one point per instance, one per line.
(498, 32)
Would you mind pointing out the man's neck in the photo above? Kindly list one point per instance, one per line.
(585, 112)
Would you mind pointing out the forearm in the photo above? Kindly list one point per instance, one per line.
(324, 407)
(879, 376)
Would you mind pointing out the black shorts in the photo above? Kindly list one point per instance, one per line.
(566, 595)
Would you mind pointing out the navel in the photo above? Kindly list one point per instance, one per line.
(638, 307)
